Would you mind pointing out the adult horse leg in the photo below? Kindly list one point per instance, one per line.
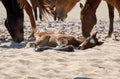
(35, 12)
(111, 19)
(40, 13)
(115, 3)
(34, 6)
(28, 9)
(88, 16)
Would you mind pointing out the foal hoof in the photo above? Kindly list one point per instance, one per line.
(40, 49)
(80, 48)
(68, 48)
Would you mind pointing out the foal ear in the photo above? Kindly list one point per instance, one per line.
(81, 5)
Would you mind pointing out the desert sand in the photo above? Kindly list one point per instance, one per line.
(17, 61)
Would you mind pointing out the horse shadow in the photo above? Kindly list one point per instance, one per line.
(81, 78)
(12, 44)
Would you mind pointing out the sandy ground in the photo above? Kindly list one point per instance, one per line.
(101, 62)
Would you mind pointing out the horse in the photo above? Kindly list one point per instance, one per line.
(88, 16)
(14, 20)
(63, 7)
(63, 42)
(15, 17)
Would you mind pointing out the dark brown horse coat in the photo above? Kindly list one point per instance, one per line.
(14, 20)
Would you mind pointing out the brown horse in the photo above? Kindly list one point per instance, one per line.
(14, 20)
(47, 40)
(62, 7)
(88, 16)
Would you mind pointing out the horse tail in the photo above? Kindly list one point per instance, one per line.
(44, 9)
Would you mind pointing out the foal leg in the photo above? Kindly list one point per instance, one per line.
(28, 9)
(88, 16)
(111, 19)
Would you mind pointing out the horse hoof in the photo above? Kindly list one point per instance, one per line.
(31, 36)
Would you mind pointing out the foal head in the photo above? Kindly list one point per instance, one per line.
(90, 42)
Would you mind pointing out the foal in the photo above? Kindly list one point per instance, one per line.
(47, 40)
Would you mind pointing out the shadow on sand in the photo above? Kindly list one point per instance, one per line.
(14, 45)
(11, 44)
(81, 78)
